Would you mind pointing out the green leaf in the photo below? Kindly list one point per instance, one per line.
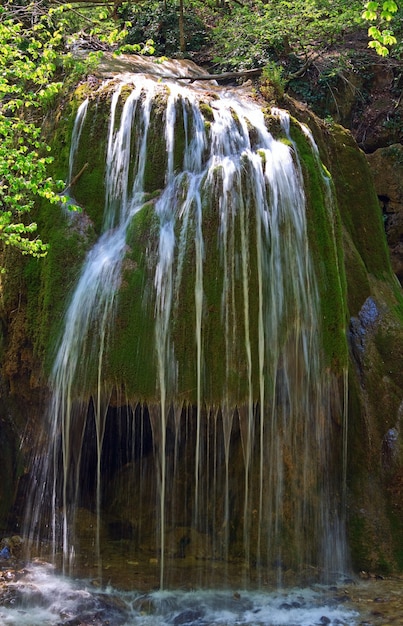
(375, 33)
(370, 16)
(390, 6)
(379, 48)
(389, 39)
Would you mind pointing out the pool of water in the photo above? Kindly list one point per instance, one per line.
(37, 596)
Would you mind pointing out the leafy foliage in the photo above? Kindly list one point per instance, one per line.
(272, 81)
(35, 63)
(159, 23)
(253, 34)
(28, 61)
(38, 38)
(381, 15)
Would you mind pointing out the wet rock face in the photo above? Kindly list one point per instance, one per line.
(361, 326)
(375, 439)
(376, 459)
(8, 446)
(387, 170)
(390, 448)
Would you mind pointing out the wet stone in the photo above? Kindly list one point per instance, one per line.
(190, 616)
(5, 553)
(344, 598)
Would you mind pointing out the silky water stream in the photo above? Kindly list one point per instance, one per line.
(213, 458)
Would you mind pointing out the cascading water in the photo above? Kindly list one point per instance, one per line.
(213, 445)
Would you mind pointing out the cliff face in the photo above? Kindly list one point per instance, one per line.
(376, 347)
(360, 296)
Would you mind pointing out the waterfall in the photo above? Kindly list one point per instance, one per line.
(226, 456)
(75, 137)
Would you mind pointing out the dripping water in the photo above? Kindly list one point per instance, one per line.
(280, 406)
(75, 137)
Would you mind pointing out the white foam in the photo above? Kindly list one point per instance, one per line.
(42, 598)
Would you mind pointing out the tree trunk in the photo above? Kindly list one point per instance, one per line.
(182, 42)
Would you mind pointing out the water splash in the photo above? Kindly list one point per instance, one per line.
(41, 597)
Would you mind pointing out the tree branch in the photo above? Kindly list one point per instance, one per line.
(75, 178)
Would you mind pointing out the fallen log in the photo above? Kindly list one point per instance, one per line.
(223, 76)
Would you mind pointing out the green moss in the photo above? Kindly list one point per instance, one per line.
(390, 347)
(51, 280)
(184, 325)
(219, 376)
(358, 203)
(273, 124)
(156, 157)
(124, 92)
(324, 231)
(89, 189)
(370, 545)
(206, 111)
(324, 234)
(180, 134)
(398, 306)
(89, 167)
(262, 155)
(235, 117)
(396, 524)
(285, 141)
(230, 376)
(184, 330)
(358, 286)
(131, 358)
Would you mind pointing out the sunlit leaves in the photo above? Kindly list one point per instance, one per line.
(136, 48)
(381, 13)
(248, 36)
(28, 61)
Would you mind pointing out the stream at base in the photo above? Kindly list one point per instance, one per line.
(36, 595)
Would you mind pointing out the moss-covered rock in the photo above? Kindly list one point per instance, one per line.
(325, 236)
(132, 341)
(361, 318)
(376, 451)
